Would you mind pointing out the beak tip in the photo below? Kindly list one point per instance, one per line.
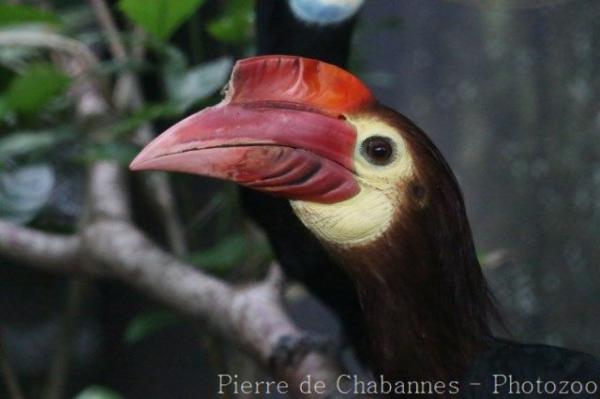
(137, 164)
(143, 160)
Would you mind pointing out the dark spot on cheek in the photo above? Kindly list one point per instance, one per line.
(418, 193)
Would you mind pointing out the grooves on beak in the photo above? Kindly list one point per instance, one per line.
(287, 151)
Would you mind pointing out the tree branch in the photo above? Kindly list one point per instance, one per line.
(52, 252)
(252, 316)
(107, 194)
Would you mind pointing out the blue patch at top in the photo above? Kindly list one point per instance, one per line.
(325, 11)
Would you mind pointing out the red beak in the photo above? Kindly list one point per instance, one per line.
(290, 141)
(291, 153)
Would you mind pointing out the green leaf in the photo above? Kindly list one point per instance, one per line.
(235, 25)
(24, 192)
(199, 82)
(148, 323)
(229, 252)
(11, 14)
(33, 89)
(6, 114)
(159, 17)
(98, 392)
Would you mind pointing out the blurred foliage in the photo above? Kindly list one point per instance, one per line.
(98, 392)
(24, 192)
(147, 323)
(159, 17)
(197, 83)
(235, 25)
(30, 143)
(231, 251)
(44, 147)
(34, 88)
(12, 14)
(14, 59)
(117, 151)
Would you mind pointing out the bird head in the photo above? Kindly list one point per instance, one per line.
(303, 130)
(367, 182)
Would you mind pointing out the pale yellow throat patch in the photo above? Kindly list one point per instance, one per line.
(360, 219)
(366, 216)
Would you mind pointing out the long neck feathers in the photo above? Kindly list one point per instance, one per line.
(423, 294)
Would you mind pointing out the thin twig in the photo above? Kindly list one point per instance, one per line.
(212, 207)
(128, 95)
(9, 376)
(59, 368)
(157, 185)
(128, 87)
(117, 48)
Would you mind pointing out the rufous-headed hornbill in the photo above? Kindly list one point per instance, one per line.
(380, 198)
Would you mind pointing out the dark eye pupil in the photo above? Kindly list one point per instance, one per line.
(378, 150)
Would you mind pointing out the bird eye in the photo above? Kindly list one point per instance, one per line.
(378, 150)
